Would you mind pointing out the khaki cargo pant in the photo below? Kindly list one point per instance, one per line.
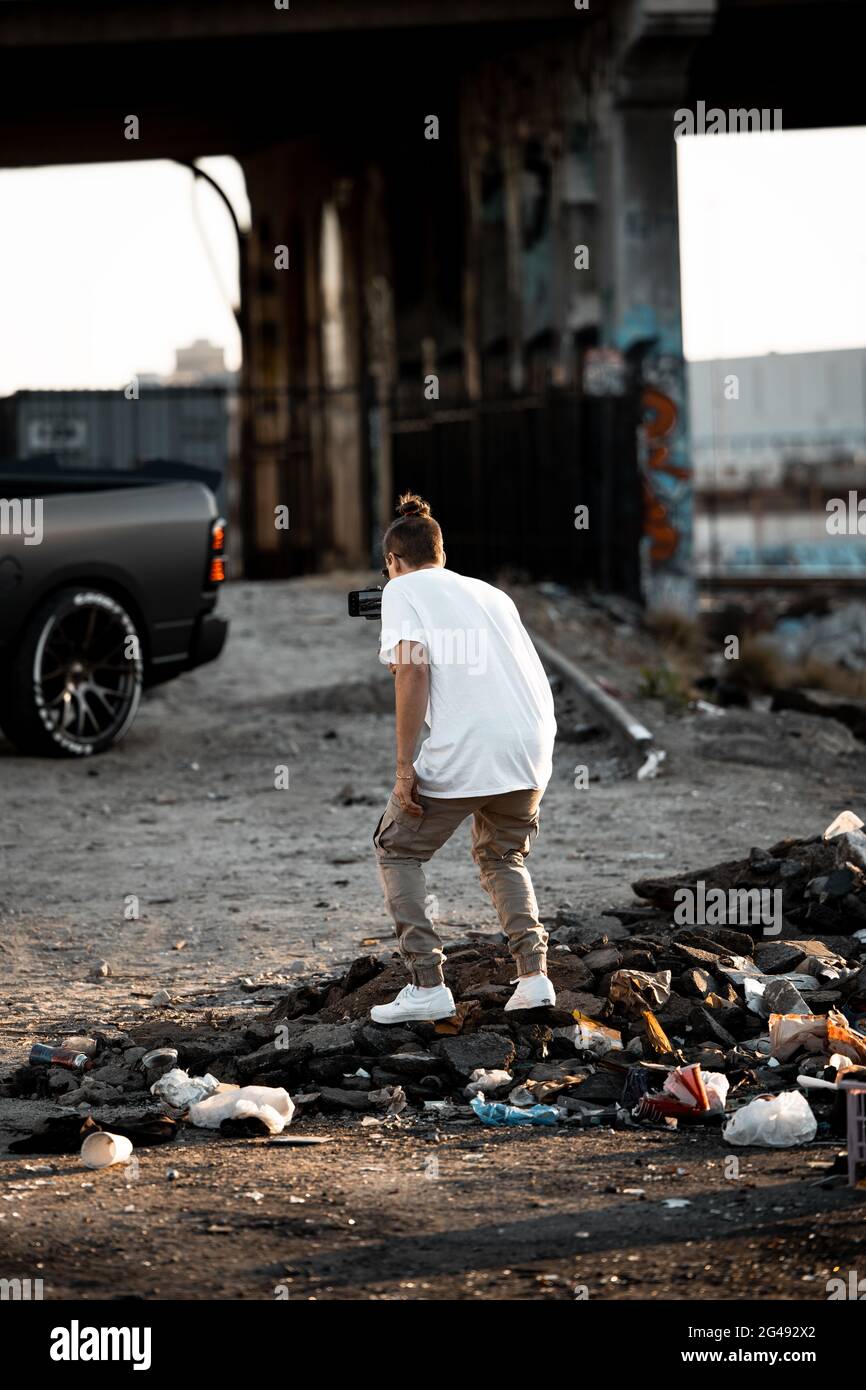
(504, 828)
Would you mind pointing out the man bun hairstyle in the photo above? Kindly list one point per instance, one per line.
(416, 535)
(410, 504)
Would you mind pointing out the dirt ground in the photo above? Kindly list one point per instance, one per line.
(240, 885)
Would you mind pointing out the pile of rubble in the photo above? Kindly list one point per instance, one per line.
(655, 1022)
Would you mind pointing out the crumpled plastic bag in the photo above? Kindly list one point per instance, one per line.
(588, 1035)
(178, 1089)
(717, 1086)
(494, 1112)
(272, 1104)
(815, 1033)
(775, 1122)
(635, 991)
(392, 1099)
(483, 1080)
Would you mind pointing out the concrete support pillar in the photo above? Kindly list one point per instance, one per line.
(641, 282)
(381, 350)
(644, 323)
(471, 160)
(301, 398)
(512, 169)
(343, 413)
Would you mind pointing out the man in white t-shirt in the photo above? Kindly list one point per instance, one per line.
(464, 665)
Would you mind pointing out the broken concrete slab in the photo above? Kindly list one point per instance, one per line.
(781, 997)
(492, 1051)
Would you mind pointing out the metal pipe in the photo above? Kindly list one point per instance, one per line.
(610, 710)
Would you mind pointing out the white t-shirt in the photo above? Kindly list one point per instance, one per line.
(490, 711)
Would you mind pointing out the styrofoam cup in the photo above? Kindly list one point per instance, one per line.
(100, 1150)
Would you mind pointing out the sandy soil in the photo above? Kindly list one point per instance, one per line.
(238, 881)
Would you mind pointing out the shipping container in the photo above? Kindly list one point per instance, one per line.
(108, 431)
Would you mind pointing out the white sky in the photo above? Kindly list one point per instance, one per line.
(773, 242)
(103, 272)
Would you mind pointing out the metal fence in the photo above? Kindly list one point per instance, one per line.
(503, 475)
(504, 479)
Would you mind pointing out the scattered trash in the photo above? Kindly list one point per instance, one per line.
(636, 990)
(251, 1122)
(493, 1112)
(159, 1061)
(594, 1116)
(658, 1040)
(179, 1090)
(641, 1078)
(588, 1035)
(717, 1087)
(651, 767)
(684, 1095)
(271, 1105)
(80, 1044)
(662, 1018)
(487, 1081)
(297, 1141)
(63, 1134)
(845, 821)
(704, 707)
(792, 1033)
(391, 1097)
(101, 1149)
(777, 1122)
(43, 1054)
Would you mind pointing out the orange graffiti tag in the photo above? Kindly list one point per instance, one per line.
(658, 525)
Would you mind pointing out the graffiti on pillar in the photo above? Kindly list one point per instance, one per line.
(661, 475)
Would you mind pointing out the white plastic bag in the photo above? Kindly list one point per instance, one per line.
(776, 1122)
(271, 1103)
(178, 1089)
(485, 1081)
(717, 1085)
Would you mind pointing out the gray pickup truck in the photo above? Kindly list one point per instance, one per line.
(107, 585)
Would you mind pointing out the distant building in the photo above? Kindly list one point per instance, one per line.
(201, 362)
(790, 408)
(773, 439)
(188, 417)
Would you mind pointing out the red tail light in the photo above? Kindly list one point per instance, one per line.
(216, 561)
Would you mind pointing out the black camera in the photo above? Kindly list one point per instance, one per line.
(365, 603)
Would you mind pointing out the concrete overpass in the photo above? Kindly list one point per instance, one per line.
(410, 257)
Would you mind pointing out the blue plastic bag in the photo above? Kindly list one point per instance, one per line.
(495, 1112)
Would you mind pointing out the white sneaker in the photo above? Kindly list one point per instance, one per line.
(416, 1005)
(533, 992)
